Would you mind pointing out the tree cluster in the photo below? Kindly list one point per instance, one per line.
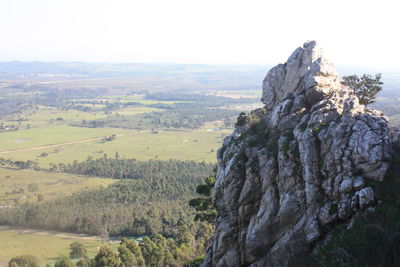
(183, 116)
(155, 250)
(151, 200)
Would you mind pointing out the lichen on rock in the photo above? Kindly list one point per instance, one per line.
(297, 166)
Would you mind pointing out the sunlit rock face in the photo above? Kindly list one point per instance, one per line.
(298, 166)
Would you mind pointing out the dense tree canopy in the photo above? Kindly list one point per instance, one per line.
(152, 199)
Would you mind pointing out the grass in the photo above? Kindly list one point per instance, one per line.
(199, 145)
(136, 110)
(47, 116)
(47, 130)
(48, 246)
(51, 135)
(50, 126)
(49, 185)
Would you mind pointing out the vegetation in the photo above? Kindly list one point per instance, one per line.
(190, 145)
(118, 168)
(20, 186)
(186, 116)
(155, 250)
(152, 200)
(203, 205)
(241, 119)
(366, 87)
(24, 261)
(45, 245)
(78, 251)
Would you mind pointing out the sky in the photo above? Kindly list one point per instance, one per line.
(352, 32)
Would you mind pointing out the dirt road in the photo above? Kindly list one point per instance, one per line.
(66, 143)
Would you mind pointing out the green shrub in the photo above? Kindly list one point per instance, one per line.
(333, 209)
(197, 262)
(241, 119)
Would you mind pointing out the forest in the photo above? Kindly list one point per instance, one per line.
(153, 199)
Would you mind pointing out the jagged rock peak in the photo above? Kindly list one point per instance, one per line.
(305, 70)
(291, 170)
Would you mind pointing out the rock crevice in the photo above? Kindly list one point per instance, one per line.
(295, 167)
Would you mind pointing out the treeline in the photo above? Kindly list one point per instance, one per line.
(187, 116)
(152, 200)
(154, 250)
(114, 211)
(21, 97)
(19, 164)
(121, 168)
(204, 99)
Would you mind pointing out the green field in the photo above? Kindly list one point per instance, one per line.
(51, 135)
(50, 116)
(199, 145)
(49, 185)
(48, 246)
(50, 132)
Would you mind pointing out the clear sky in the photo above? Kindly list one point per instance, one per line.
(202, 31)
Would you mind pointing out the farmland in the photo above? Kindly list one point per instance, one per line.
(178, 127)
(49, 131)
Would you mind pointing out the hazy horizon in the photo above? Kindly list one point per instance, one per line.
(357, 33)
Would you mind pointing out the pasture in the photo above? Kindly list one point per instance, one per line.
(198, 145)
(48, 246)
(19, 186)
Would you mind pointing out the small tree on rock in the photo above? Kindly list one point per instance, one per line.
(365, 87)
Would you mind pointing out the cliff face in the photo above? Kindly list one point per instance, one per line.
(293, 169)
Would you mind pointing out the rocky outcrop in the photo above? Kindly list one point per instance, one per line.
(295, 168)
